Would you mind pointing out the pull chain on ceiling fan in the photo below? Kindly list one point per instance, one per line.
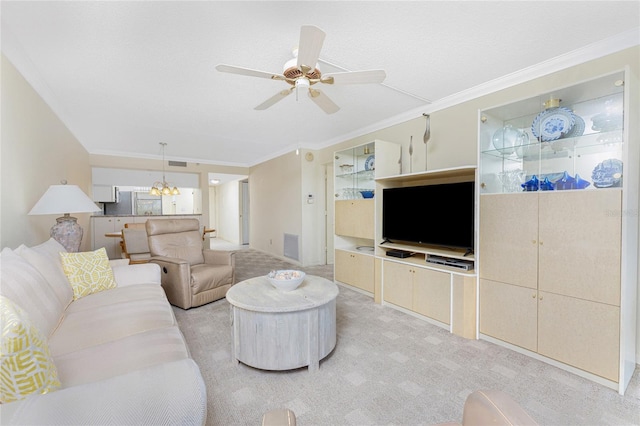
(303, 71)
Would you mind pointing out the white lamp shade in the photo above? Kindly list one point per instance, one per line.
(61, 199)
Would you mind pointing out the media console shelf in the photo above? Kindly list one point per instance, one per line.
(421, 253)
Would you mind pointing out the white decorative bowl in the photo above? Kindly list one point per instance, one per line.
(286, 279)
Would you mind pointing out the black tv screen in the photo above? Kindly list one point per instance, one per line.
(438, 215)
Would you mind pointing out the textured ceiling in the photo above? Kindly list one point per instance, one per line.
(125, 76)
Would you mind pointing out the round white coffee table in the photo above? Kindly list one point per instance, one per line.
(277, 330)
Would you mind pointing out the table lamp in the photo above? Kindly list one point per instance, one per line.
(65, 199)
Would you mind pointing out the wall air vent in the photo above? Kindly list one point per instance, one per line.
(291, 246)
(178, 163)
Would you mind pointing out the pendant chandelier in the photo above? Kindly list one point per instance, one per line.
(163, 188)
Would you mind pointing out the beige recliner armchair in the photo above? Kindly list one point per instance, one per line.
(191, 276)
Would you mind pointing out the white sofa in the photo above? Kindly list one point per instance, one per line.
(119, 354)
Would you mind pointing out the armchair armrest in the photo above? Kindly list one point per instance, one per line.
(219, 257)
(170, 393)
(175, 276)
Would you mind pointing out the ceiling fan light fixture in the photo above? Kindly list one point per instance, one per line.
(303, 72)
(302, 83)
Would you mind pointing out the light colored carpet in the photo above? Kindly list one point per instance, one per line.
(388, 368)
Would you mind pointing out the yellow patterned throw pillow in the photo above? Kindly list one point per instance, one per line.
(26, 365)
(88, 272)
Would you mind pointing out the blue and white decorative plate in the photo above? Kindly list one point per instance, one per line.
(369, 163)
(551, 123)
(607, 174)
(577, 129)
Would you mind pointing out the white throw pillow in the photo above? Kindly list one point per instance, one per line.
(22, 283)
(45, 258)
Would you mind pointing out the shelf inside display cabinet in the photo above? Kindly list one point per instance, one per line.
(361, 174)
(594, 143)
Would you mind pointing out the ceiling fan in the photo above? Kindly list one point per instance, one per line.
(303, 71)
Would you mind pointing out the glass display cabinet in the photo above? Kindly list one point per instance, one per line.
(355, 172)
(558, 248)
(567, 139)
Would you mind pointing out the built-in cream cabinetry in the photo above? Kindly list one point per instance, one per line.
(424, 291)
(566, 257)
(557, 256)
(355, 172)
(443, 295)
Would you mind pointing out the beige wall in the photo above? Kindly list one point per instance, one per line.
(276, 198)
(37, 151)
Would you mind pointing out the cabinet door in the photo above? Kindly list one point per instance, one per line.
(509, 313)
(354, 269)
(580, 244)
(354, 218)
(343, 266)
(398, 284)
(581, 333)
(432, 294)
(102, 226)
(508, 238)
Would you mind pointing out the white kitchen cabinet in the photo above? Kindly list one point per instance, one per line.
(102, 225)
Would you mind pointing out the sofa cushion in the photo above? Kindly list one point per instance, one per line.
(27, 288)
(118, 295)
(121, 356)
(45, 258)
(127, 275)
(85, 328)
(88, 272)
(26, 365)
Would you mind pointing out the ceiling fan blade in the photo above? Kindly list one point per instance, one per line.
(275, 98)
(323, 101)
(355, 77)
(248, 71)
(311, 39)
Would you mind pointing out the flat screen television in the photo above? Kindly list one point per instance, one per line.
(435, 215)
